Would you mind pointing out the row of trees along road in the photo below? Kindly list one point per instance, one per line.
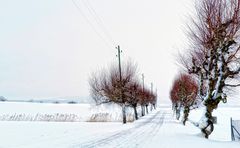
(213, 57)
(184, 95)
(106, 87)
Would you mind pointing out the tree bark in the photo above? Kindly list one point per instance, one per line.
(135, 112)
(178, 114)
(124, 114)
(147, 109)
(186, 114)
(142, 110)
(207, 126)
(178, 111)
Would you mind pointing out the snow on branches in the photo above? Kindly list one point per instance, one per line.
(214, 52)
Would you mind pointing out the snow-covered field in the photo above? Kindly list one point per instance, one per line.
(157, 129)
(26, 111)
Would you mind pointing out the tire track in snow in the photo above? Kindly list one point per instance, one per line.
(112, 138)
(142, 132)
(144, 135)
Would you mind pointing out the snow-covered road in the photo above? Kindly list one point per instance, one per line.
(139, 135)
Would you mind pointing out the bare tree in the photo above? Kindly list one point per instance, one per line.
(148, 96)
(106, 87)
(145, 100)
(153, 100)
(183, 95)
(133, 95)
(176, 106)
(215, 57)
(142, 100)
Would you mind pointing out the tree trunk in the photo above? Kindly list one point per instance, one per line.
(178, 114)
(135, 112)
(124, 114)
(142, 110)
(178, 111)
(147, 109)
(206, 124)
(186, 114)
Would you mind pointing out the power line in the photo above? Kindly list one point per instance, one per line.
(91, 25)
(98, 20)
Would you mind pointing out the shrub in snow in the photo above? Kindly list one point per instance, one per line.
(72, 102)
(2, 98)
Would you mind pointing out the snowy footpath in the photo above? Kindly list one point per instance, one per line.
(157, 129)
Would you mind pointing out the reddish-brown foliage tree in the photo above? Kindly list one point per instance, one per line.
(144, 100)
(183, 94)
(105, 86)
(136, 95)
(133, 95)
(153, 100)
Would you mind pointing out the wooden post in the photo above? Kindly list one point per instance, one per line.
(232, 134)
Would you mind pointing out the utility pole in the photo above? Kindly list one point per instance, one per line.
(119, 63)
(142, 105)
(156, 91)
(143, 81)
(156, 99)
(151, 87)
(151, 94)
(120, 77)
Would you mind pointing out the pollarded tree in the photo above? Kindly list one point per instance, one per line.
(147, 97)
(106, 87)
(176, 104)
(144, 99)
(188, 93)
(153, 100)
(133, 95)
(183, 94)
(215, 53)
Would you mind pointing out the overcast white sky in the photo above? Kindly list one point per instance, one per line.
(48, 49)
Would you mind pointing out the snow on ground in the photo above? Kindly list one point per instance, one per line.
(177, 135)
(52, 134)
(31, 111)
(157, 129)
(26, 111)
(223, 126)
